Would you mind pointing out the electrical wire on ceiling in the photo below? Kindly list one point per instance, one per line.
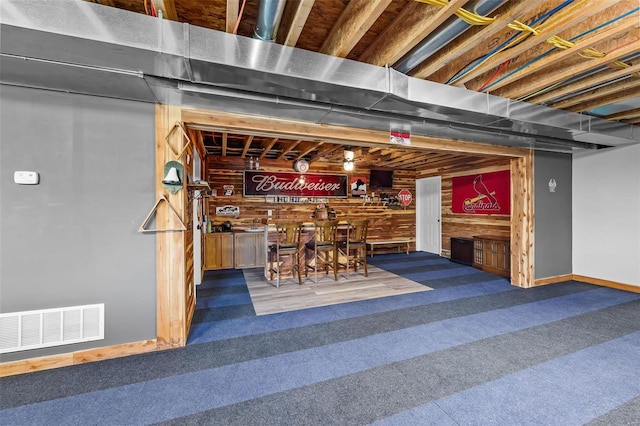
(235, 29)
(468, 17)
(582, 75)
(511, 42)
(564, 44)
(149, 8)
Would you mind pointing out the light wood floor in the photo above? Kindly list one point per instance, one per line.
(267, 299)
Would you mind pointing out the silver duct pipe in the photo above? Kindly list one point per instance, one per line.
(440, 38)
(268, 21)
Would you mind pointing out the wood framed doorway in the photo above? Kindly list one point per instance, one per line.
(175, 302)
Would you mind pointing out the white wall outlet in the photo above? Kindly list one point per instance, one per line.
(26, 178)
(269, 212)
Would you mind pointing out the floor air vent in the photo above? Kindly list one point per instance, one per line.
(20, 331)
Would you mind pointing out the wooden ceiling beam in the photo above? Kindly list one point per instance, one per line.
(293, 20)
(626, 84)
(606, 100)
(410, 27)
(168, 8)
(247, 145)
(267, 145)
(630, 113)
(353, 23)
(400, 158)
(323, 153)
(411, 162)
(474, 37)
(531, 85)
(288, 149)
(559, 55)
(584, 83)
(315, 145)
(566, 18)
(233, 10)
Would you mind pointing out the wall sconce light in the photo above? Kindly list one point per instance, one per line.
(348, 164)
(172, 180)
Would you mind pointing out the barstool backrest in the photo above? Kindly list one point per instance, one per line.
(288, 234)
(325, 231)
(358, 230)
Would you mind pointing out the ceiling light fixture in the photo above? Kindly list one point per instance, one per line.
(348, 163)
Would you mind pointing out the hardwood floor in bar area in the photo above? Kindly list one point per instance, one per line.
(267, 299)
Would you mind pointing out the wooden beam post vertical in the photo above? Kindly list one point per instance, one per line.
(170, 246)
(522, 220)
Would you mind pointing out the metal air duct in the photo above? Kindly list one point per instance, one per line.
(440, 38)
(268, 21)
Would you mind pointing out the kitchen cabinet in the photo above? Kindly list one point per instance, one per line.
(218, 251)
(492, 254)
(249, 249)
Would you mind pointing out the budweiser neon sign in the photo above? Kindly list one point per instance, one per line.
(260, 183)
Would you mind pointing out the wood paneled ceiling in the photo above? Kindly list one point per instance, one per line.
(224, 144)
(574, 55)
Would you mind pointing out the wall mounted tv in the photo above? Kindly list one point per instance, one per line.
(380, 179)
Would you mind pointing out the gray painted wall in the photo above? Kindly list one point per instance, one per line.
(72, 239)
(552, 215)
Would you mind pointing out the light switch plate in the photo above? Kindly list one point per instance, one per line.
(26, 177)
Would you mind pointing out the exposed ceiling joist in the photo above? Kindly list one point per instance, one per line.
(290, 147)
(572, 16)
(619, 88)
(620, 96)
(312, 147)
(293, 21)
(474, 37)
(585, 83)
(247, 145)
(353, 23)
(522, 87)
(267, 146)
(559, 55)
(413, 24)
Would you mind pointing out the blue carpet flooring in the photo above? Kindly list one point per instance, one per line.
(475, 351)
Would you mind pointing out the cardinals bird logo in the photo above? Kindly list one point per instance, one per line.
(479, 202)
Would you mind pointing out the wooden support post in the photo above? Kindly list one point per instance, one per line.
(522, 273)
(172, 324)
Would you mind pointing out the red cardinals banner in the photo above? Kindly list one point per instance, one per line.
(260, 183)
(484, 193)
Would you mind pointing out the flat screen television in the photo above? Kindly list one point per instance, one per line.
(380, 179)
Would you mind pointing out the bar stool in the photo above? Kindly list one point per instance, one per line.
(355, 246)
(287, 244)
(324, 248)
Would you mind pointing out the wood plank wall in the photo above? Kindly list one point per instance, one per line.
(468, 225)
(384, 222)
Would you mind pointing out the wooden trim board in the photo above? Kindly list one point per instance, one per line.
(606, 283)
(553, 280)
(589, 280)
(30, 365)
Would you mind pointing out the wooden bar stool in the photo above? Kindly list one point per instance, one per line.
(324, 248)
(287, 244)
(355, 245)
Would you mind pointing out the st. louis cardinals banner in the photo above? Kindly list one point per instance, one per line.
(262, 183)
(483, 193)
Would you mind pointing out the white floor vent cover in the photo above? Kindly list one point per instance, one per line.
(20, 331)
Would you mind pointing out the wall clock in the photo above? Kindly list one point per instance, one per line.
(301, 166)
